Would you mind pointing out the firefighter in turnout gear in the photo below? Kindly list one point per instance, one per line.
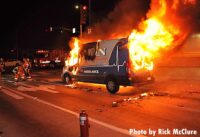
(19, 72)
(2, 65)
(27, 67)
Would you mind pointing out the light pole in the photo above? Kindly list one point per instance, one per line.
(90, 19)
(81, 26)
(83, 17)
(79, 7)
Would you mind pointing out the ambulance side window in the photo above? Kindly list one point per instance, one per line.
(123, 55)
(112, 60)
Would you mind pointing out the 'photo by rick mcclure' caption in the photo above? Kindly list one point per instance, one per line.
(161, 131)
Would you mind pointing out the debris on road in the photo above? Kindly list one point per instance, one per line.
(139, 97)
(89, 89)
(194, 91)
(71, 86)
(143, 95)
(114, 104)
(99, 110)
(160, 94)
(180, 106)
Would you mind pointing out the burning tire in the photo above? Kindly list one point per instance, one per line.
(112, 86)
(67, 79)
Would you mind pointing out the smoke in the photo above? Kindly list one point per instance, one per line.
(188, 12)
(184, 14)
(120, 22)
(127, 14)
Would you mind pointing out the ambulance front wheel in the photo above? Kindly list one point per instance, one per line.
(112, 86)
(67, 79)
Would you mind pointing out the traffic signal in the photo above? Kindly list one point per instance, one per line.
(83, 14)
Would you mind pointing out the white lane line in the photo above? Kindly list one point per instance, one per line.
(11, 94)
(114, 128)
(27, 87)
(10, 81)
(48, 88)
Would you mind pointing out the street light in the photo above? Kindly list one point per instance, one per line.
(76, 6)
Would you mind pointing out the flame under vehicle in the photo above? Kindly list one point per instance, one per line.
(105, 62)
(48, 58)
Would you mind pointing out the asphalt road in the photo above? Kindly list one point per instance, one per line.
(44, 106)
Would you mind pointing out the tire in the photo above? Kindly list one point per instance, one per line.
(67, 79)
(112, 86)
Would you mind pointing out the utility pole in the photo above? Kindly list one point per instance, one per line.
(81, 30)
(83, 16)
(90, 19)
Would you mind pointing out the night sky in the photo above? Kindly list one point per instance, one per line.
(26, 23)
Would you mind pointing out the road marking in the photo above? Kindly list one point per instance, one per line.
(11, 94)
(10, 81)
(48, 88)
(117, 129)
(27, 87)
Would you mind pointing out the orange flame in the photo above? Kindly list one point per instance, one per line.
(145, 45)
(74, 53)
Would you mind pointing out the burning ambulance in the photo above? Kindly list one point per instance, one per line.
(105, 62)
(130, 60)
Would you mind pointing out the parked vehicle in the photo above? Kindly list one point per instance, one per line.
(106, 62)
(11, 63)
(48, 58)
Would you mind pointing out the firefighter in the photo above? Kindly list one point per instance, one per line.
(19, 72)
(2, 65)
(27, 67)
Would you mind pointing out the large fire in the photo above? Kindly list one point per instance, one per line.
(74, 53)
(144, 46)
(155, 35)
(159, 32)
